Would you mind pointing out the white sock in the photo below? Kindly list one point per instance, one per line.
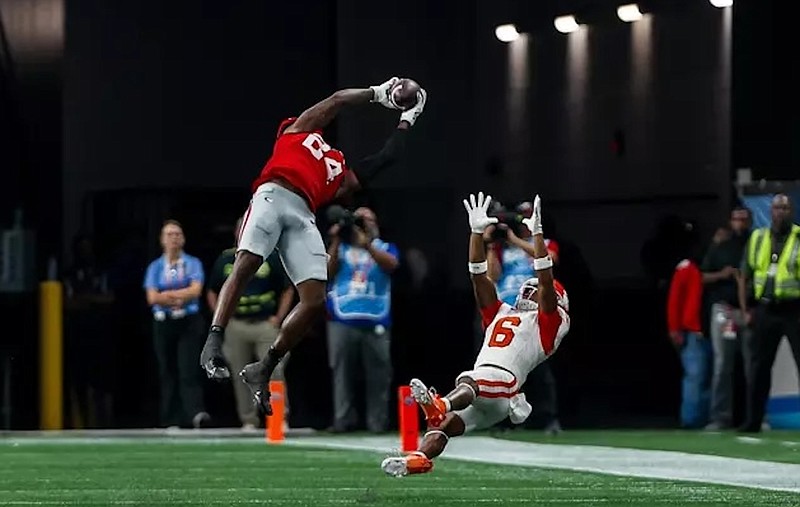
(436, 432)
(446, 404)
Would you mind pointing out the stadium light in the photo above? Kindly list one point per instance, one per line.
(566, 24)
(506, 33)
(630, 13)
(721, 3)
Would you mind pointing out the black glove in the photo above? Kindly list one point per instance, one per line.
(211, 359)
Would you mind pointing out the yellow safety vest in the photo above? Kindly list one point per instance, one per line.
(787, 275)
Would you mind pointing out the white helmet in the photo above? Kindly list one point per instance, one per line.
(526, 298)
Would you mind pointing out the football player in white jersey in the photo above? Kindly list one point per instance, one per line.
(517, 339)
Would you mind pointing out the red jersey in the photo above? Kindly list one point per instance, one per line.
(685, 299)
(307, 162)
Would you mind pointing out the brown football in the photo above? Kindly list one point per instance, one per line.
(404, 93)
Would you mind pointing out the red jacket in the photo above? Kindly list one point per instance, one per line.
(685, 298)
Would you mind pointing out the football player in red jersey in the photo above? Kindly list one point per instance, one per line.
(303, 174)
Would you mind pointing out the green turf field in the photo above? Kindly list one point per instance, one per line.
(157, 472)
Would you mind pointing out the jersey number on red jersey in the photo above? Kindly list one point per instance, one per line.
(503, 331)
(318, 147)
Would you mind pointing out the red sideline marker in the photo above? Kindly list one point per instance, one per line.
(274, 423)
(408, 419)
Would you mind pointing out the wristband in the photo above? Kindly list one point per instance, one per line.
(542, 263)
(478, 268)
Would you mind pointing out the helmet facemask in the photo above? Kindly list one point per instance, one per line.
(527, 299)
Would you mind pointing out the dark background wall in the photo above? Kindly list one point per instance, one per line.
(662, 84)
(169, 109)
(765, 102)
(184, 94)
(31, 85)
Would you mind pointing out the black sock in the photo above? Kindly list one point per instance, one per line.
(271, 360)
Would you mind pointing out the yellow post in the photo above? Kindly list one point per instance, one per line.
(51, 348)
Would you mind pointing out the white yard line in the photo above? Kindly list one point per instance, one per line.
(676, 466)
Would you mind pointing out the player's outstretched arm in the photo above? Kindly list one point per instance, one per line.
(366, 169)
(485, 292)
(318, 116)
(548, 300)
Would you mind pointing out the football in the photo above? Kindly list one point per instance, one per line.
(404, 93)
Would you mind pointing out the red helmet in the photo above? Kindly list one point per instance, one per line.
(526, 299)
(285, 125)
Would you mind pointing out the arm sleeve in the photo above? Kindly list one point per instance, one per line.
(549, 324)
(393, 251)
(367, 168)
(694, 295)
(488, 313)
(708, 265)
(151, 277)
(196, 272)
(674, 301)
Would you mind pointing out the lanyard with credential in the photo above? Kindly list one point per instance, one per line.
(174, 273)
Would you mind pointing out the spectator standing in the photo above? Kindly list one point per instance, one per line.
(173, 284)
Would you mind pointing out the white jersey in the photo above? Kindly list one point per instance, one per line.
(519, 341)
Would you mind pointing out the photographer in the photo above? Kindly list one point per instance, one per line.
(510, 258)
(359, 308)
(511, 254)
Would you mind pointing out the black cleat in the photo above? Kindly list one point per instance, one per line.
(255, 377)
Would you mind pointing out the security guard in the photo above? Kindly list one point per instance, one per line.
(771, 271)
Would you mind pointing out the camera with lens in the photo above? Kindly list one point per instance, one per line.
(346, 220)
(506, 219)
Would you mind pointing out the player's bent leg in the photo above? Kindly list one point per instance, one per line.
(211, 358)
(433, 444)
(435, 439)
(464, 394)
(303, 316)
(436, 407)
(260, 232)
(297, 324)
(303, 256)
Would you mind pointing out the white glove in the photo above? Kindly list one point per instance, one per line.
(476, 211)
(534, 223)
(382, 93)
(412, 114)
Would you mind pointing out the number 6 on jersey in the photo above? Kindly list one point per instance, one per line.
(503, 331)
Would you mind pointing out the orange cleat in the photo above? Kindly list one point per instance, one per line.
(430, 402)
(400, 466)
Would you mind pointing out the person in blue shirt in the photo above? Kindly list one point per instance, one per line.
(359, 326)
(173, 285)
